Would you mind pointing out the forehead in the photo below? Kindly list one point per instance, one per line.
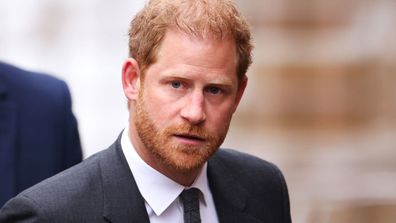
(205, 52)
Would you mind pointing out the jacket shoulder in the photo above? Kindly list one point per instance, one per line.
(244, 162)
(15, 77)
(33, 87)
(67, 196)
(250, 171)
(261, 181)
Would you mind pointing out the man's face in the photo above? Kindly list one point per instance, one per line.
(186, 100)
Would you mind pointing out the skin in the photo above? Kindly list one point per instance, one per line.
(180, 110)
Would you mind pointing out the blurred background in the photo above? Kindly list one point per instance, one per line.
(321, 99)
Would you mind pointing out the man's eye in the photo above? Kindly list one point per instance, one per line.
(214, 90)
(176, 84)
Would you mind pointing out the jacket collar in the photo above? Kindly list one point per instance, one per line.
(122, 199)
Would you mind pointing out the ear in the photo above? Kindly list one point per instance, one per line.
(131, 79)
(241, 90)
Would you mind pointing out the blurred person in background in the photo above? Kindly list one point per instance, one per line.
(38, 131)
(184, 80)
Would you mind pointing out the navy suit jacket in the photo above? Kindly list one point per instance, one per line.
(245, 189)
(38, 132)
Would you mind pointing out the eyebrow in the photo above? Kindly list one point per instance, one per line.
(220, 80)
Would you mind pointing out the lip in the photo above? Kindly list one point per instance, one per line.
(189, 139)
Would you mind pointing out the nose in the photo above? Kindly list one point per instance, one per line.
(193, 110)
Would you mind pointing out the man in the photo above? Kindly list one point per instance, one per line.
(183, 80)
(38, 132)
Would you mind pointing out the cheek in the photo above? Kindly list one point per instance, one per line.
(160, 109)
(220, 116)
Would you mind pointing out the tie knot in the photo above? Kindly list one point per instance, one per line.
(190, 199)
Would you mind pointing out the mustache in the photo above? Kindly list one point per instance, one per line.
(188, 131)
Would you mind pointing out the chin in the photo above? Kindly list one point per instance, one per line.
(186, 161)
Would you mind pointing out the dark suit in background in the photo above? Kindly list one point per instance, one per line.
(38, 132)
(245, 189)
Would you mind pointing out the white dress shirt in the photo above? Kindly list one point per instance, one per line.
(161, 193)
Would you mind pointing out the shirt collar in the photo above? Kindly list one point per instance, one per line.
(158, 190)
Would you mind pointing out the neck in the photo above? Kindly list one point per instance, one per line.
(185, 178)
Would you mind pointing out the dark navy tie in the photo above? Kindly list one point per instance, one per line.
(190, 199)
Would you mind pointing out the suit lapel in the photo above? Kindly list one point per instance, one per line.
(8, 118)
(229, 196)
(122, 199)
